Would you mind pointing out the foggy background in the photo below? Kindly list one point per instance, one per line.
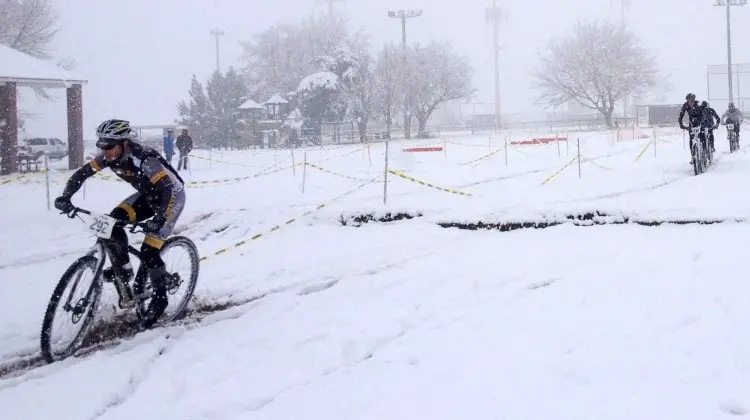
(139, 55)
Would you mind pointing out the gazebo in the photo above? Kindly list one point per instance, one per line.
(251, 109)
(277, 107)
(21, 70)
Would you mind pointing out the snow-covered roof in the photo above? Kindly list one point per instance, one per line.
(323, 79)
(275, 100)
(24, 69)
(251, 104)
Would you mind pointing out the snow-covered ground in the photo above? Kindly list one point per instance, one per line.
(410, 320)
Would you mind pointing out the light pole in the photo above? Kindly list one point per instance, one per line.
(494, 14)
(217, 33)
(403, 15)
(728, 4)
(330, 4)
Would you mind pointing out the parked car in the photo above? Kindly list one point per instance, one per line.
(35, 148)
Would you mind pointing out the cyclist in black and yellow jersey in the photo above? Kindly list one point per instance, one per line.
(160, 197)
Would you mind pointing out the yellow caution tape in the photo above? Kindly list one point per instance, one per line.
(340, 175)
(224, 162)
(585, 159)
(11, 180)
(27, 174)
(482, 158)
(549, 178)
(643, 151)
(286, 223)
(343, 155)
(203, 184)
(407, 177)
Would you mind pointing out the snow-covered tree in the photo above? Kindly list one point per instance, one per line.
(195, 112)
(437, 74)
(360, 88)
(386, 92)
(277, 59)
(353, 97)
(320, 99)
(226, 92)
(598, 65)
(212, 113)
(30, 26)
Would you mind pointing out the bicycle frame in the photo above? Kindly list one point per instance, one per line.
(104, 247)
(732, 134)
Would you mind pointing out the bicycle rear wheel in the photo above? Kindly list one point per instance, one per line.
(81, 309)
(182, 282)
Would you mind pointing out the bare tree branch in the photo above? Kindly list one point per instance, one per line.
(28, 26)
(597, 66)
(437, 75)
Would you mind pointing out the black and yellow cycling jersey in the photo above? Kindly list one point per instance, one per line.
(141, 167)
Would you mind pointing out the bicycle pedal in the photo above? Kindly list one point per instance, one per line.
(173, 281)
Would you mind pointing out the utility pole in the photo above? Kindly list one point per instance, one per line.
(728, 4)
(217, 33)
(624, 6)
(493, 16)
(403, 15)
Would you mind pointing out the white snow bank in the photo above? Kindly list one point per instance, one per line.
(17, 65)
(320, 80)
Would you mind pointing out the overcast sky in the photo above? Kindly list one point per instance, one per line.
(139, 55)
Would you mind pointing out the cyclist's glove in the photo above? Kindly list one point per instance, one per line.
(63, 204)
(154, 224)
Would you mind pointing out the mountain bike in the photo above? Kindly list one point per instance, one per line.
(699, 149)
(734, 140)
(82, 309)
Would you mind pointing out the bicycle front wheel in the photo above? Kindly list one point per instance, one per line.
(182, 262)
(77, 293)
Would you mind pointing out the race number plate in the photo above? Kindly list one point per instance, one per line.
(730, 126)
(102, 225)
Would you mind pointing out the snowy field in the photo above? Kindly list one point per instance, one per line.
(409, 320)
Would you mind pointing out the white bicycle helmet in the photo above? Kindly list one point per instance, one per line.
(112, 132)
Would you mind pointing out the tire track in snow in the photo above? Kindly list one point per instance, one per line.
(17, 367)
(138, 376)
(533, 171)
(687, 176)
(41, 258)
(27, 365)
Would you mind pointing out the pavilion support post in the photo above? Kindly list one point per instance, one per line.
(8, 128)
(75, 126)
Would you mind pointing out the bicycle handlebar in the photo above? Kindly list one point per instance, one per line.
(121, 223)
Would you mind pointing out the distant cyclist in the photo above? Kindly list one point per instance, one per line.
(160, 196)
(695, 116)
(733, 116)
(711, 121)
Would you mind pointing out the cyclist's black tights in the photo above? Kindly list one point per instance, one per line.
(149, 255)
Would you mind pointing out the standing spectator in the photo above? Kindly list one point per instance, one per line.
(169, 145)
(184, 145)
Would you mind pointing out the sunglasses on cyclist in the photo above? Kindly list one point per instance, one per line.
(106, 144)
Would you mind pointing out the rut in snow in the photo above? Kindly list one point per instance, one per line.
(593, 218)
